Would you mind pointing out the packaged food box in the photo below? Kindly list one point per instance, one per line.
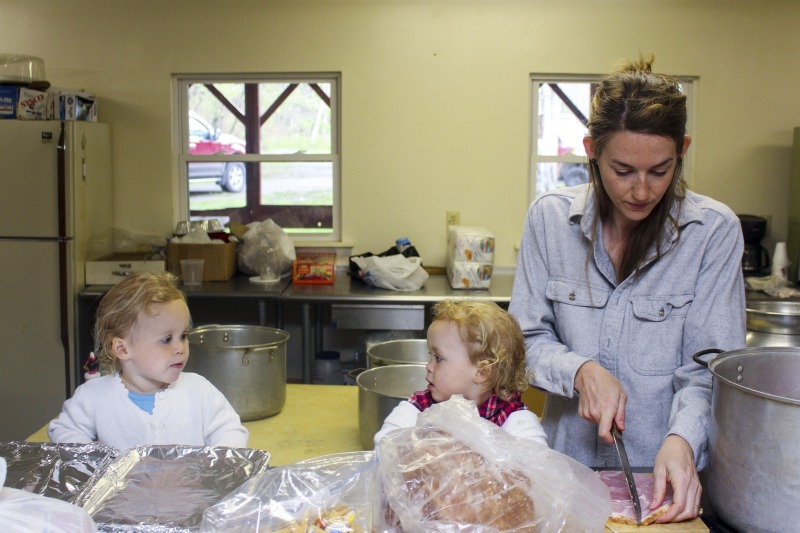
(474, 244)
(113, 268)
(32, 104)
(9, 100)
(468, 275)
(220, 258)
(313, 268)
(69, 104)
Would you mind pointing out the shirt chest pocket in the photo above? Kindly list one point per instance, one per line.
(656, 333)
(578, 311)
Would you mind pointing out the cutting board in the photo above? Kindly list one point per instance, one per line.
(690, 526)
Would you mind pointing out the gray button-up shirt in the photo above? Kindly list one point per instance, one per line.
(643, 330)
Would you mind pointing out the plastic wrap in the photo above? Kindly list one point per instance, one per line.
(266, 235)
(59, 471)
(23, 512)
(167, 488)
(335, 491)
(459, 472)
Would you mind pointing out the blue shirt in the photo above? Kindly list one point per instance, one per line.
(643, 330)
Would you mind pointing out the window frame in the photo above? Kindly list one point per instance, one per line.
(181, 131)
(688, 87)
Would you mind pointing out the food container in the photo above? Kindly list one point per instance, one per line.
(246, 363)
(398, 352)
(21, 69)
(380, 390)
(754, 459)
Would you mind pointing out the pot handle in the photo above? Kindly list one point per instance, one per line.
(697, 356)
(248, 351)
(355, 372)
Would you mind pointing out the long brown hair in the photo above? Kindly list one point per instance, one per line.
(636, 99)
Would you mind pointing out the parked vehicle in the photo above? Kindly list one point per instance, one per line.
(207, 140)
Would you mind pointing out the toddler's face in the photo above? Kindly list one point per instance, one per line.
(157, 348)
(450, 370)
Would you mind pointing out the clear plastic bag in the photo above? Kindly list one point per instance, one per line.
(262, 236)
(333, 493)
(395, 272)
(457, 472)
(23, 512)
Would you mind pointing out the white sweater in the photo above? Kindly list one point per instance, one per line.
(190, 411)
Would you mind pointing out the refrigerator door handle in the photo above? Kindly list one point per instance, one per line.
(62, 251)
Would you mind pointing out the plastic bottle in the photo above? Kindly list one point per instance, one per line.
(327, 369)
(402, 244)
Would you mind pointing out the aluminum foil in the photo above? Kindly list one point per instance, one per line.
(60, 471)
(167, 488)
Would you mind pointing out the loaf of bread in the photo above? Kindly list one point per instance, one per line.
(439, 479)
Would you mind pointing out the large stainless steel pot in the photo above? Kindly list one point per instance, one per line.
(246, 363)
(754, 457)
(773, 323)
(398, 352)
(380, 390)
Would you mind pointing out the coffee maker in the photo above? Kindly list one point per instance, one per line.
(755, 261)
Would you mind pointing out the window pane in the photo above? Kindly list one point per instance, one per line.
(302, 122)
(297, 183)
(209, 185)
(561, 129)
(555, 175)
(212, 122)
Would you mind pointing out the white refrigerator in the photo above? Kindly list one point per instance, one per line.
(55, 214)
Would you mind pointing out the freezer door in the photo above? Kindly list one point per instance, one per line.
(33, 374)
(29, 202)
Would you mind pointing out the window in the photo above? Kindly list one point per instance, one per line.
(261, 146)
(559, 118)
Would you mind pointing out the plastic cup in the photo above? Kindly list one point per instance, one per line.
(192, 271)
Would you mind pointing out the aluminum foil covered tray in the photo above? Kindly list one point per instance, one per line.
(59, 471)
(167, 488)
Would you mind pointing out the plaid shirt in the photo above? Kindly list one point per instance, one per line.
(494, 409)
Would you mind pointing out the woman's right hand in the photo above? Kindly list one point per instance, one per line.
(602, 399)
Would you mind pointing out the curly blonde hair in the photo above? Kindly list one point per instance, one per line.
(120, 307)
(494, 342)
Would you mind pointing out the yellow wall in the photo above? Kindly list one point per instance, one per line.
(435, 96)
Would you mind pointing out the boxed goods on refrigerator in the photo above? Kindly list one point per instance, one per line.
(9, 99)
(470, 244)
(70, 104)
(314, 268)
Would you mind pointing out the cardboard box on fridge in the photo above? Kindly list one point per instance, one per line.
(314, 268)
(466, 243)
(9, 100)
(220, 258)
(69, 104)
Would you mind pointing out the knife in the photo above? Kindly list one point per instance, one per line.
(626, 469)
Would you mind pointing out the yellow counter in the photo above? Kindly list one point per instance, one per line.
(316, 420)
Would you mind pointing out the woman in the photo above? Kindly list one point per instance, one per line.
(620, 281)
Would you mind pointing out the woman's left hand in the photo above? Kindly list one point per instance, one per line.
(674, 464)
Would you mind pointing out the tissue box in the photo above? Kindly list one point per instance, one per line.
(470, 244)
(315, 268)
(67, 104)
(220, 259)
(111, 269)
(469, 275)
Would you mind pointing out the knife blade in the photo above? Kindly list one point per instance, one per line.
(626, 469)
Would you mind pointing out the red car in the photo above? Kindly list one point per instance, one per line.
(207, 140)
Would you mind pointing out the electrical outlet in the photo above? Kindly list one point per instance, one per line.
(453, 218)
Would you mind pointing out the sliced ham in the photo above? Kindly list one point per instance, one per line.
(622, 506)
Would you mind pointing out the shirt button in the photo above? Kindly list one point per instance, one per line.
(661, 312)
(572, 297)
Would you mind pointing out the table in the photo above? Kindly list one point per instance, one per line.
(316, 420)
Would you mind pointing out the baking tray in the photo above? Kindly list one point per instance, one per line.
(167, 488)
(60, 471)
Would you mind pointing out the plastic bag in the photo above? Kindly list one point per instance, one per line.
(335, 491)
(262, 236)
(395, 272)
(485, 479)
(21, 511)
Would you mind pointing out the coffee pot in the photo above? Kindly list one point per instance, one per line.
(755, 260)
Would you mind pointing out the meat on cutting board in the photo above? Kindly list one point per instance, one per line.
(622, 506)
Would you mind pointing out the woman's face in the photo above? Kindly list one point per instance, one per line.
(636, 169)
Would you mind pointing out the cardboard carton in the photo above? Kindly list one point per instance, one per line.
(220, 259)
(316, 268)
